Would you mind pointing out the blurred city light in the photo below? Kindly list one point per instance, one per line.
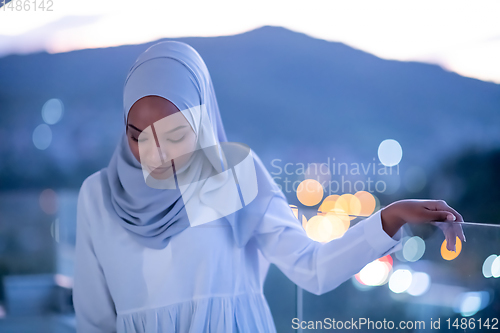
(52, 111)
(42, 136)
(310, 192)
(413, 248)
(420, 284)
(450, 255)
(400, 281)
(390, 152)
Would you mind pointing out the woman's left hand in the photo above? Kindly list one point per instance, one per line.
(395, 215)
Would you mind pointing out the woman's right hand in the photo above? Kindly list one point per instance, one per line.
(395, 215)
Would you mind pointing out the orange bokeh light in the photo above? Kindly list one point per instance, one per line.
(349, 204)
(310, 192)
(450, 255)
(367, 201)
(329, 203)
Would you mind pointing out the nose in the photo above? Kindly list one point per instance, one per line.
(153, 155)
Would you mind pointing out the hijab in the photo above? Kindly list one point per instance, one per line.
(221, 180)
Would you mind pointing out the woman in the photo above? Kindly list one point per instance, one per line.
(177, 233)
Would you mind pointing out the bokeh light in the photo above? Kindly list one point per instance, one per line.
(319, 228)
(358, 284)
(487, 265)
(63, 281)
(390, 152)
(367, 201)
(325, 227)
(42, 136)
(420, 284)
(450, 255)
(348, 204)
(48, 201)
(329, 203)
(375, 273)
(469, 303)
(339, 222)
(400, 281)
(310, 192)
(495, 267)
(52, 111)
(388, 259)
(399, 253)
(413, 249)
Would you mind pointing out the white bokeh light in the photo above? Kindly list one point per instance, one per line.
(400, 281)
(360, 286)
(42, 136)
(375, 273)
(495, 267)
(469, 303)
(52, 111)
(390, 152)
(420, 284)
(414, 249)
(488, 262)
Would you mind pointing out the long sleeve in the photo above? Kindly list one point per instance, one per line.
(320, 267)
(94, 307)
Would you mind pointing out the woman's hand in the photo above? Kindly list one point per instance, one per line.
(395, 215)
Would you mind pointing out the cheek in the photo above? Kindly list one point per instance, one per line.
(183, 151)
(190, 144)
(187, 146)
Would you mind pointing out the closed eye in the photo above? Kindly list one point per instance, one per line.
(178, 140)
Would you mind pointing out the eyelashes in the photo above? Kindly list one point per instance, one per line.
(178, 140)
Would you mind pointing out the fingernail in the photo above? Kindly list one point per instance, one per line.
(451, 217)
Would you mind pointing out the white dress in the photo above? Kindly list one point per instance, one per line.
(202, 282)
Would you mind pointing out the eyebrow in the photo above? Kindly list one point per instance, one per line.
(172, 130)
(138, 130)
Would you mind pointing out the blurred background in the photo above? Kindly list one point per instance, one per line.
(370, 102)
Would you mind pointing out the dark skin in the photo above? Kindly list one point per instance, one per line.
(395, 215)
(152, 109)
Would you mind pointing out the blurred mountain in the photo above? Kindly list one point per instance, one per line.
(287, 95)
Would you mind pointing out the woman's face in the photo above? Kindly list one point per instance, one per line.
(157, 133)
